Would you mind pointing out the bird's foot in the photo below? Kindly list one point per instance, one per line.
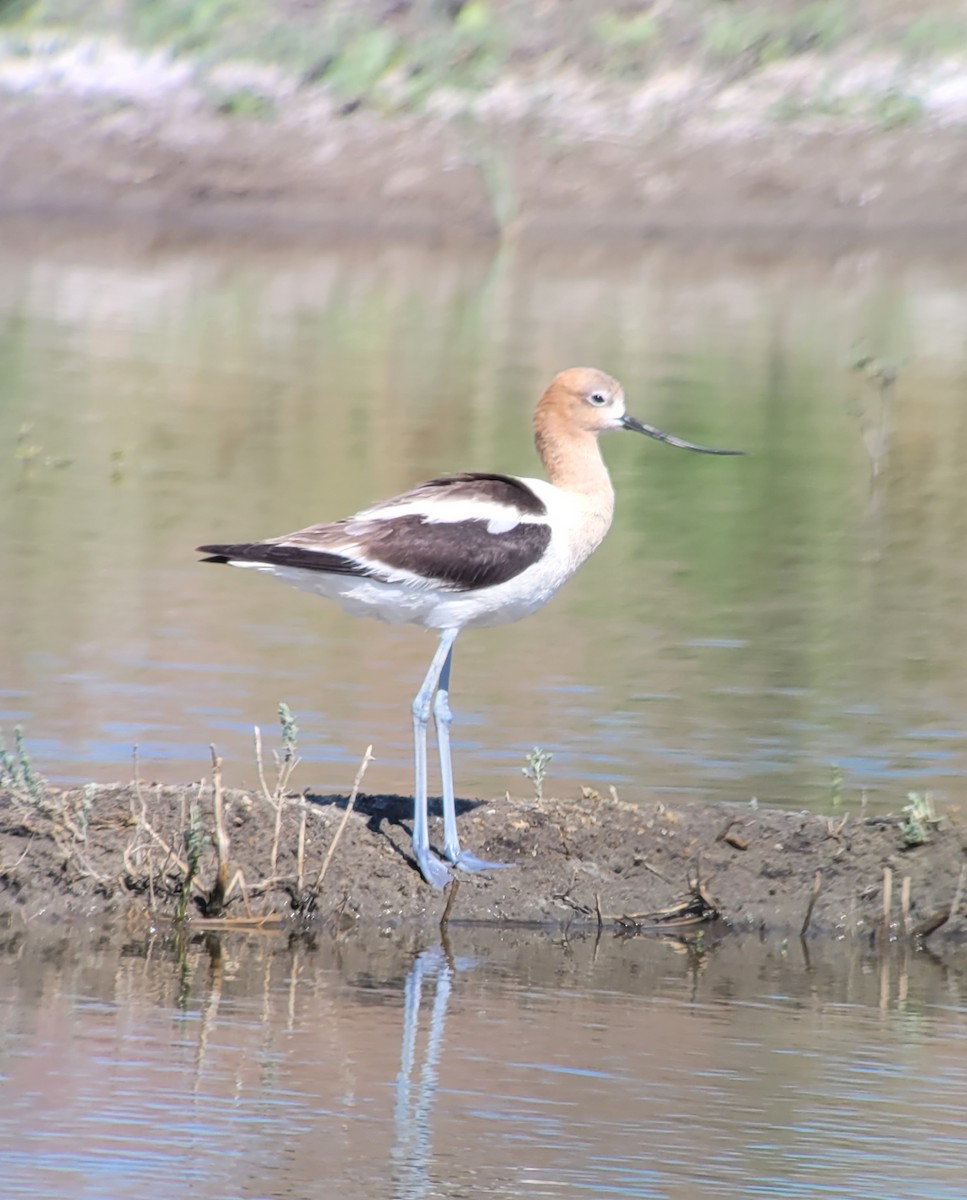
(463, 860)
(432, 870)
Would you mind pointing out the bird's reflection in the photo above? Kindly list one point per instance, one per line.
(416, 1082)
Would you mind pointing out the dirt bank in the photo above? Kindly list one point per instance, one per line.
(318, 121)
(122, 850)
(309, 175)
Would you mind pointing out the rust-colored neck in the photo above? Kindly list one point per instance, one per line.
(571, 456)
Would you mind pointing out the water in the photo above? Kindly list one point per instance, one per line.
(747, 624)
(505, 1064)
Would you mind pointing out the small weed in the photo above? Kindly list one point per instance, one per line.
(362, 62)
(798, 107)
(17, 774)
(731, 35)
(755, 38)
(13, 10)
(536, 769)
(464, 53)
(285, 764)
(820, 26)
(30, 454)
(496, 164)
(626, 39)
(934, 36)
(921, 819)
(881, 373)
(83, 811)
(195, 840)
(836, 786)
(633, 33)
(897, 110)
(290, 732)
(65, 817)
(189, 26)
(245, 103)
(875, 427)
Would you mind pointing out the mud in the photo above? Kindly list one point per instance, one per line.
(317, 175)
(574, 862)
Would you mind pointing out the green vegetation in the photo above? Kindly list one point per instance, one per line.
(186, 27)
(934, 36)
(17, 774)
(29, 453)
(895, 109)
(394, 56)
(245, 103)
(40, 807)
(757, 34)
(14, 10)
(536, 770)
(920, 819)
(626, 40)
(891, 109)
(195, 842)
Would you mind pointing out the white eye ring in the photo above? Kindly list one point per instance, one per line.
(597, 399)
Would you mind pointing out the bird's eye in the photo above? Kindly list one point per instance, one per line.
(597, 399)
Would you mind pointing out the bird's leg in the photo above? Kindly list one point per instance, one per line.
(443, 719)
(434, 872)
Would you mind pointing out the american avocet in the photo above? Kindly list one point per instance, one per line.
(463, 550)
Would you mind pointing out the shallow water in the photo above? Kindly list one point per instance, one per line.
(749, 623)
(504, 1064)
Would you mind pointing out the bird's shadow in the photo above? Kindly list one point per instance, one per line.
(386, 810)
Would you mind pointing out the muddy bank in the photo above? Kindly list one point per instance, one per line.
(312, 174)
(101, 851)
(489, 120)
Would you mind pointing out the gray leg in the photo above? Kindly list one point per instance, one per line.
(443, 719)
(434, 872)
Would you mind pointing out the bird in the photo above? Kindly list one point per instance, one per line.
(466, 550)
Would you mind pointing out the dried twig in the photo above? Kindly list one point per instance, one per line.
(170, 853)
(697, 884)
(723, 832)
(887, 902)
(814, 896)
(219, 892)
(137, 775)
(451, 899)
(835, 829)
(958, 894)
(697, 908)
(247, 922)
(367, 759)
(905, 904)
(301, 851)
(261, 765)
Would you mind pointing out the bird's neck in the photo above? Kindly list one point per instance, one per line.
(572, 460)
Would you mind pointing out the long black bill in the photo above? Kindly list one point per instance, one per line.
(640, 427)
